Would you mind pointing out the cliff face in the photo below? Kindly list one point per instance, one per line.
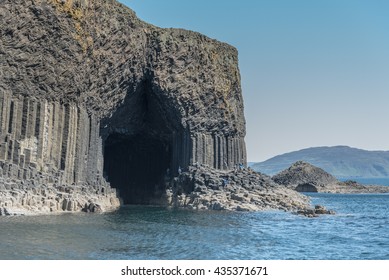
(89, 93)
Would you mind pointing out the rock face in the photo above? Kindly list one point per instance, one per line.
(91, 96)
(25, 198)
(237, 190)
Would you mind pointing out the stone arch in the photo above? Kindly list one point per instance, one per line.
(306, 187)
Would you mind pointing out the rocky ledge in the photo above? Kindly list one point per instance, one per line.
(21, 198)
(198, 188)
(202, 188)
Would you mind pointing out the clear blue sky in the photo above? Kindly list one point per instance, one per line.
(314, 73)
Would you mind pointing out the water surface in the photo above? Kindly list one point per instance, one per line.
(360, 230)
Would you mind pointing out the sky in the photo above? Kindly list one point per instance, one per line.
(314, 73)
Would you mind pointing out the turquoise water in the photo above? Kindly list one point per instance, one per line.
(360, 230)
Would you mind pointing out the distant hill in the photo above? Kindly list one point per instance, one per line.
(340, 161)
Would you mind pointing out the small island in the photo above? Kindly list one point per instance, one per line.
(304, 177)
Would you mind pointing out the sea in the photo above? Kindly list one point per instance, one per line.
(358, 231)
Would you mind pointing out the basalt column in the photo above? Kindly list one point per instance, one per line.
(61, 141)
(218, 151)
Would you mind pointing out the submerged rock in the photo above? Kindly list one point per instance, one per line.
(318, 210)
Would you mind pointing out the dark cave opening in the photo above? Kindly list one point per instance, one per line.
(136, 166)
(140, 145)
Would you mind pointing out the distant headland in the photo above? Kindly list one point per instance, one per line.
(340, 161)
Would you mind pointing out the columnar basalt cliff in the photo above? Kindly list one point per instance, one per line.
(96, 105)
(89, 94)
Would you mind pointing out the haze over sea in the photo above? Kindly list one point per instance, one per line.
(359, 230)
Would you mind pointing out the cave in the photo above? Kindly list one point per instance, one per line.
(307, 187)
(136, 166)
(138, 146)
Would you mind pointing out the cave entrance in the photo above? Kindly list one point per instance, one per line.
(136, 166)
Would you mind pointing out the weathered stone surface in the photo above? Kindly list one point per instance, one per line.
(201, 188)
(25, 198)
(89, 93)
(318, 210)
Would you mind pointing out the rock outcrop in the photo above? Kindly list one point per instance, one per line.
(304, 177)
(304, 174)
(318, 210)
(25, 198)
(238, 190)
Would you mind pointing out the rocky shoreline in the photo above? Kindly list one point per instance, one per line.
(199, 188)
(20, 198)
(235, 190)
(353, 187)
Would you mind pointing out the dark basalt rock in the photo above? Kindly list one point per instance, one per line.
(91, 95)
(318, 210)
(203, 188)
(304, 176)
